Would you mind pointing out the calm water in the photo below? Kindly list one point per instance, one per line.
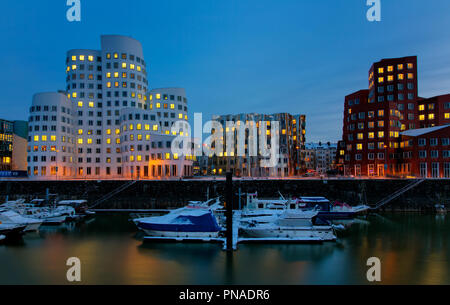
(414, 249)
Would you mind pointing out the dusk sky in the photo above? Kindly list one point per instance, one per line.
(232, 56)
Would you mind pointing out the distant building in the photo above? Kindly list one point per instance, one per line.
(320, 157)
(291, 147)
(13, 146)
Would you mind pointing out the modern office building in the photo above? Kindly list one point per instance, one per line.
(107, 124)
(13, 144)
(291, 159)
(375, 118)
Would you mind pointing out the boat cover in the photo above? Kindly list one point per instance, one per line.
(189, 220)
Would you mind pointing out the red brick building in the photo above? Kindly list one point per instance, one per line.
(375, 118)
(426, 152)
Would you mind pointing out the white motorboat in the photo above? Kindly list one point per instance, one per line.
(192, 221)
(294, 225)
(11, 217)
(47, 215)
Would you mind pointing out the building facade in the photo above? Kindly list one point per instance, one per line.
(320, 157)
(375, 118)
(13, 144)
(426, 152)
(107, 124)
(292, 133)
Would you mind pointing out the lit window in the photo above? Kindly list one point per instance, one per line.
(147, 127)
(421, 107)
(80, 104)
(91, 104)
(151, 97)
(139, 126)
(421, 117)
(82, 57)
(74, 67)
(431, 116)
(36, 138)
(116, 74)
(91, 58)
(390, 78)
(53, 138)
(108, 141)
(108, 84)
(175, 156)
(131, 126)
(139, 158)
(410, 75)
(74, 58)
(108, 131)
(447, 115)
(89, 141)
(155, 127)
(371, 135)
(359, 146)
(180, 115)
(139, 68)
(117, 131)
(124, 65)
(390, 68)
(381, 70)
(158, 96)
(108, 55)
(158, 105)
(380, 80)
(80, 131)
(132, 66)
(108, 75)
(172, 106)
(400, 67)
(410, 66)
(381, 134)
(116, 55)
(80, 141)
(44, 138)
(401, 77)
(167, 156)
(74, 95)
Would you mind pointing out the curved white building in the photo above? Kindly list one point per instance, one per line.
(106, 94)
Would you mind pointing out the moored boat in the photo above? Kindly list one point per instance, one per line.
(290, 225)
(11, 230)
(11, 217)
(181, 223)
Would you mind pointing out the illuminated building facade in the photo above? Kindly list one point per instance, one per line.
(291, 159)
(375, 118)
(13, 143)
(106, 124)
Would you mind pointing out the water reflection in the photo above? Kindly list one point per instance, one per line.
(414, 249)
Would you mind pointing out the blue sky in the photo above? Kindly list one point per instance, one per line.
(232, 56)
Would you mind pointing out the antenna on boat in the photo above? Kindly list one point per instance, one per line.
(281, 195)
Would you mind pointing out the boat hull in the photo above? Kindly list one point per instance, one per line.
(298, 233)
(31, 227)
(337, 215)
(172, 234)
(55, 220)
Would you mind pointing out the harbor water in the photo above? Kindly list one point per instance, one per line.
(413, 249)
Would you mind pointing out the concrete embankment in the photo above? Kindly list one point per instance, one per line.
(168, 194)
